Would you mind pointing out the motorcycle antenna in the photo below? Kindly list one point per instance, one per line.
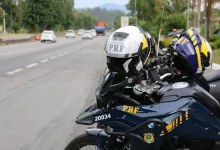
(161, 21)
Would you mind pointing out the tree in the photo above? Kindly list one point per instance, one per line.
(175, 21)
(48, 14)
(209, 4)
(108, 16)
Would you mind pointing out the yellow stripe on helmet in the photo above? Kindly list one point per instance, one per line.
(204, 48)
(190, 32)
(193, 38)
(144, 41)
(198, 57)
(148, 56)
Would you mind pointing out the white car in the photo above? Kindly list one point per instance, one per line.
(70, 33)
(87, 35)
(93, 33)
(48, 35)
(80, 32)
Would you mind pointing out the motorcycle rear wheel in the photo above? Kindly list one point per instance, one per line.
(82, 142)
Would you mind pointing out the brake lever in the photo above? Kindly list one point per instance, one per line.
(124, 83)
(119, 85)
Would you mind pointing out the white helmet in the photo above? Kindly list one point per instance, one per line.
(128, 49)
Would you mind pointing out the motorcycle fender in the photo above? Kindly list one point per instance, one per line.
(88, 116)
(99, 136)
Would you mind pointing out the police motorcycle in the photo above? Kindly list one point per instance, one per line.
(172, 116)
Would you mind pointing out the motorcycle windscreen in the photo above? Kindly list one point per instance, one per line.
(105, 82)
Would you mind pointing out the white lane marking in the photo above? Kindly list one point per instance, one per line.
(8, 53)
(32, 65)
(66, 53)
(45, 60)
(53, 57)
(15, 71)
(20, 51)
(60, 55)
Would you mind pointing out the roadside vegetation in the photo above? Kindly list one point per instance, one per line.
(34, 16)
(216, 57)
(108, 16)
(175, 15)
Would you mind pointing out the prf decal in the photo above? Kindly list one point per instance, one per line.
(130, 109)
(177, 121)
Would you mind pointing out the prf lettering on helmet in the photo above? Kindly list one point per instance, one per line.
(116, 48)
(176, 122)
(130, 109)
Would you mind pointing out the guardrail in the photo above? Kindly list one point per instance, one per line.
(14, 41)
(23, 39)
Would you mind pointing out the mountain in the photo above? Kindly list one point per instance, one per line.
(112, 6)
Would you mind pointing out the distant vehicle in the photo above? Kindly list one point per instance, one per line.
(93, 33)
(48, 35)
(80, 31)
(100, 28)
(70, 33)
(87, 35)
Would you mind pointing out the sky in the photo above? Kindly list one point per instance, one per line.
(93, 3)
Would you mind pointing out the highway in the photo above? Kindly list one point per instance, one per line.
(43, 87)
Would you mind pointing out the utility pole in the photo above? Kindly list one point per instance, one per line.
(11, 22)
(136, 11)
(188, 16)
(161, 21)
(4, 26)
(205, 21)
(198, 14)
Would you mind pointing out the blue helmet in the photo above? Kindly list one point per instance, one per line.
(191, 52)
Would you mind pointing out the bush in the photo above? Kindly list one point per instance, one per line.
(213, 45)
(16, 27)
(214, 38)
(215, 42)
(166, 42)
(176, 20)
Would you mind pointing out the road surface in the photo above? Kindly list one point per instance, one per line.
(43, 87)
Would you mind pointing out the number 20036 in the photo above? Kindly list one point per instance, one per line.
(102, 117)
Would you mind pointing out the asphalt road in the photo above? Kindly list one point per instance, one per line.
(43, 87)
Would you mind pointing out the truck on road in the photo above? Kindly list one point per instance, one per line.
(100, 28)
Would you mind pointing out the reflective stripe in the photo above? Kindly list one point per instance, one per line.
(190, 32)
(144, 41)
(198, 57)
(193, 38)
(204, 48)
(147, 56)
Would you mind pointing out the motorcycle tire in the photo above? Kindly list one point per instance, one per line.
(80, 142)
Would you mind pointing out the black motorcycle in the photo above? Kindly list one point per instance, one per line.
(181, 115)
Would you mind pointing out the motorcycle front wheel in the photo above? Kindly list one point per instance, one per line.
(82, 142)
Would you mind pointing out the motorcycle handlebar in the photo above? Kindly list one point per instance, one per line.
(126, 82)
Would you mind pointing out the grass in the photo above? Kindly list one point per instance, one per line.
(216, 57)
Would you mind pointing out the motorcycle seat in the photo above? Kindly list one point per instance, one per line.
(214, 76)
